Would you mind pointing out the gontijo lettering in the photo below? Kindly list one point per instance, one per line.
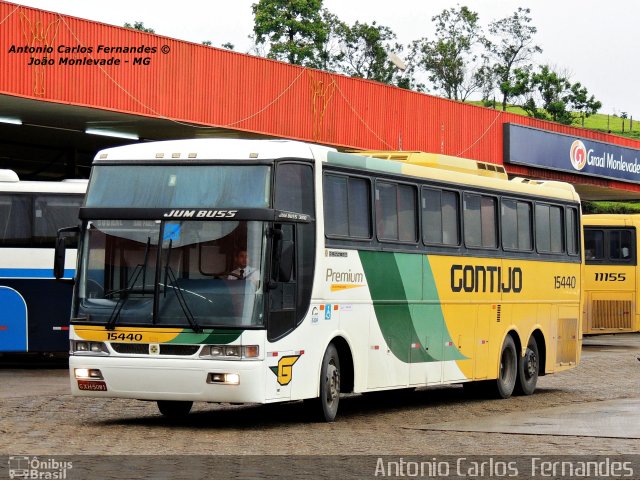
(490, 278)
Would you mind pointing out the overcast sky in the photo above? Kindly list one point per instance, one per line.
(593, 40)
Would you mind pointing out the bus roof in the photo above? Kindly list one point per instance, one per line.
(211, 149)
(450, 172)
(64, 186)
(611, 219)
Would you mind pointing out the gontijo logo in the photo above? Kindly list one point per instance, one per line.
(578, 155)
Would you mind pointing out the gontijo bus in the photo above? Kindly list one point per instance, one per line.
(34, 308)
(375, 273)
(611, 273)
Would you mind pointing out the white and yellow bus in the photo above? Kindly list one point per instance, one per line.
(368, 274)
(611, 273)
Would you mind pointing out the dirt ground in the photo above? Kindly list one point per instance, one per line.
(38, 416)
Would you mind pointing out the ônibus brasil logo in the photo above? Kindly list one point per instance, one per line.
(578, 155)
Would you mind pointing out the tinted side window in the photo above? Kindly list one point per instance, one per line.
(620, 245)
(359, 208)
(51, 213)
(336, 216)
(407, 217)
(516, 225)
(572, 232)
(386, 211)
(396, 216)
(294, 190)
(549, 228)
(440, 217)
(480, 228)
(593, 244)
(15, 220)
(347, 206)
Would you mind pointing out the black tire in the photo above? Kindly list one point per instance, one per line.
(528, 367)
(508, 373)
(174, 408)
(325, 407)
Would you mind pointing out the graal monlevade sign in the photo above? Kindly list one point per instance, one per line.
(567, 153)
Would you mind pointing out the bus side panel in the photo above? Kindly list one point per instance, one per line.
(468, 290)
(13, 321)
(418, 346)
(548, 299)
(48, 307)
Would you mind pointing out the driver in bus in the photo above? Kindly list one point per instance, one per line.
(242, 270)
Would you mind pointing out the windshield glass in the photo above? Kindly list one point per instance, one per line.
(176, 186)
(196, 274)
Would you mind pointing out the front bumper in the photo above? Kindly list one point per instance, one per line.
(170, 379)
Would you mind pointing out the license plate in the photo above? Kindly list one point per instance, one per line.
(93, 386)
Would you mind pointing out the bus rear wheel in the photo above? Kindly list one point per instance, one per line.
(174, 408)
(506, 381)
(528, 369)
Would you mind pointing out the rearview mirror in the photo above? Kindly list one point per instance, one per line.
(60, 251)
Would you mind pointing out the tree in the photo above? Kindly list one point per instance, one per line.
(139, 26)
(451, 59)
(584, 104)
(550, 95)
(293, 30)
(365, 51)
(331, 53)
(512, 49)
(228, 46)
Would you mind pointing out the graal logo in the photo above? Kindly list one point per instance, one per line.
(578, 155)
(27, 467)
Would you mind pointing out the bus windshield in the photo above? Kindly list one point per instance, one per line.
(178, 186)
(195, 274)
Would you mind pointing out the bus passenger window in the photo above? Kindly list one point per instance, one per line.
(15, 220)
(593, 244)
(620, 244)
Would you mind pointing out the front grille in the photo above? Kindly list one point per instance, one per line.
(611, 314)
(137, 348)
(179, 349)
(143, 349)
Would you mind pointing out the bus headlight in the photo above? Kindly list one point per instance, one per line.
(83, 347)
(88, 374)
(224, 378)
(230, 352)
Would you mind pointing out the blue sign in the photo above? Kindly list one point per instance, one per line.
(567, 153)
(171, 232)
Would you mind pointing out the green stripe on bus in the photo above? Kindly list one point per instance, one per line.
(216, 337)
(399, 285)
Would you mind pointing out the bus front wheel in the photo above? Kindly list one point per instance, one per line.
(508, 373)
(174, 408)
(528, 369)
(325, 407)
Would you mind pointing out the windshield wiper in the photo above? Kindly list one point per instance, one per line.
(140, 268)
(169, 274)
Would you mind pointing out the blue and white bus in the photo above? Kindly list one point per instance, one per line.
(34, 313)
